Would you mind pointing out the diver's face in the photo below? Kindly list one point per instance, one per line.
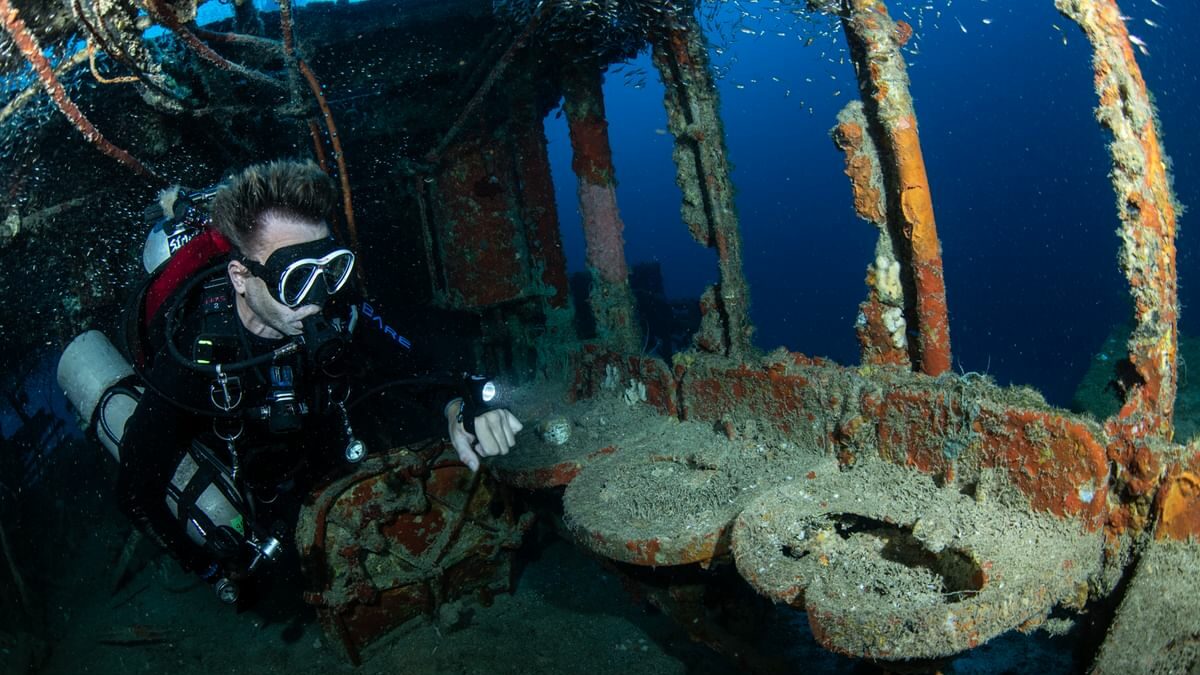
(261, 313)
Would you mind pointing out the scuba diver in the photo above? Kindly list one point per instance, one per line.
(246, 370)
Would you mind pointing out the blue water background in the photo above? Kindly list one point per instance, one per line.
(1017, 166)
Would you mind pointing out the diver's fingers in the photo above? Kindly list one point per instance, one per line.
(507, 422)
(462, 445)
(486, 435)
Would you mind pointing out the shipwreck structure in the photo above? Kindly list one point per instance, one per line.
(911, 512)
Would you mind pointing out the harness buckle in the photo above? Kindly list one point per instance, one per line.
(226, 392)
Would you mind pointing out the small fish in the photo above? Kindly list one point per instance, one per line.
(987, 22)
(1158, 4)
(960, 24)
(1150, 23)
(661, 132)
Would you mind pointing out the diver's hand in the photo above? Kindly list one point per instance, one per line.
(495, 434)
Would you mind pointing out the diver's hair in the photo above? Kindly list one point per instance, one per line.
(292, 189)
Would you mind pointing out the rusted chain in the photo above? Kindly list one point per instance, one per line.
(285, 27)
(27, 43)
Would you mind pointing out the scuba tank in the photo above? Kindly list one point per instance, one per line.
(105, 388)
(99, 382)
(202, 495)
(97, 379)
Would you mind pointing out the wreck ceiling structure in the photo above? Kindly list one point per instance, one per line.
(911, 512)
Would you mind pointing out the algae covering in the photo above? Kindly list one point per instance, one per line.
(893, 515)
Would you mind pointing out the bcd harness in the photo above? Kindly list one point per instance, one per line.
(222, 339)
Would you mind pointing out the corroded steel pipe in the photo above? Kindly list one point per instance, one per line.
(702, 172)
(1146, 208)
(875, 42)
(611, 296)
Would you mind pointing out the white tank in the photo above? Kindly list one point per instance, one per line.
(88, 371)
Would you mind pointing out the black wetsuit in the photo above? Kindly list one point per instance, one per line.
(275, 468)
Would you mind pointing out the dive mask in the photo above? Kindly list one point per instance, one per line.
(304, 274)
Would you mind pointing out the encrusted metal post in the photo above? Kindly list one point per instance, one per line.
(611, 296)
(875, 42)
(702, 172)
(1155, 627)
(1147, 210)
(881, 326)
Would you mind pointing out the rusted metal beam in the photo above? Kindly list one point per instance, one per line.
(702, 172)
(611, 297)
(881, 326)
(438, 151)
(1146, 207)
(875, 42)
